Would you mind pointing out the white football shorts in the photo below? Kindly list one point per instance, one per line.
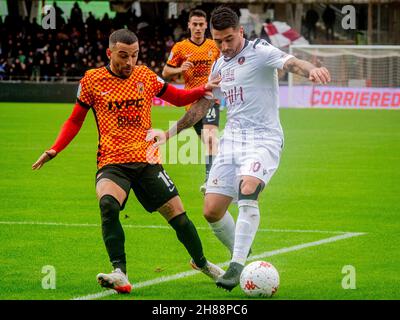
(247, 156)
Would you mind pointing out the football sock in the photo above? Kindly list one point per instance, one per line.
(209, 162)
(187, 234)
(113, 234)
(246, 228)
(224, 230)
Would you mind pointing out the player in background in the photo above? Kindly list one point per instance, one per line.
(120, 96)
(250, 149)
(193, 59)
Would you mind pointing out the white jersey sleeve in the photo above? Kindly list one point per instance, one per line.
(213, 74)
(271, 56)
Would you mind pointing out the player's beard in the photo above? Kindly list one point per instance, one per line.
(124, 72)
(229, 53)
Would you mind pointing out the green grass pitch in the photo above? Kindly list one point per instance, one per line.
(339, 176)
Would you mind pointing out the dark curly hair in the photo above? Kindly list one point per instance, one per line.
(223, 18)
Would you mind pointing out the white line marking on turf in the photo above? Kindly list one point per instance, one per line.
(60, 224)
(224, 264)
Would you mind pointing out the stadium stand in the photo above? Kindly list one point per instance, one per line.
(29, 52)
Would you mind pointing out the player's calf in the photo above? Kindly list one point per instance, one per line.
(247, 224)
(113, 234)
(188, 236)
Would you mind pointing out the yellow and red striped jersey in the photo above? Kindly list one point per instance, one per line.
(202, 56)
(122, 110)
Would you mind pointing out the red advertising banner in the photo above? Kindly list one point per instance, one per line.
(331, 97)
(355, 97)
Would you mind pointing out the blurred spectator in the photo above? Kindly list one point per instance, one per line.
(311, 20)
(178, 33)
(27, 51)
(253, 35)
(59, 12)
(99, 62)
(76, 16)
(3, 64)
(329, 17)
(264, 34)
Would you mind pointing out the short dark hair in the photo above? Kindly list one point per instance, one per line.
(223, 18)
(125, 36)
(197, 13)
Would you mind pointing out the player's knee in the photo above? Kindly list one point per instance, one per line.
(212, 213)
(109, 208)
(249, 191)
(213, 141)
(180, 222)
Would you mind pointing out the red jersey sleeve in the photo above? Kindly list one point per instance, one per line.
(70, 128)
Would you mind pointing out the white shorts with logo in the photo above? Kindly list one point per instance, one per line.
(246, 156)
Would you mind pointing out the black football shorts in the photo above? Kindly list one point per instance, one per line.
(212, 117)
(150, 182)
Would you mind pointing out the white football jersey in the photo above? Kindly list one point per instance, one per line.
(250, 88)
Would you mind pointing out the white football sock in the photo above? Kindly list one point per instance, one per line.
(246, 228)
(224, 230)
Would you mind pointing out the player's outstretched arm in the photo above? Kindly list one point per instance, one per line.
(181, 97)
(308, 70)
(45, 156)
(197, 111)
(68, 131)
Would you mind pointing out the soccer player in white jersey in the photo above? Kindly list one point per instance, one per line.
(252, 142)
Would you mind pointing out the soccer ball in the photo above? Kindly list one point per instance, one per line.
(259, 279)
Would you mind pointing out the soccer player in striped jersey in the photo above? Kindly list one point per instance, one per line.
(251, 146)
(120, 96)
(193, 58)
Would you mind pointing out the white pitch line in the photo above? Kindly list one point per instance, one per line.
(224, 264)
(60, 224)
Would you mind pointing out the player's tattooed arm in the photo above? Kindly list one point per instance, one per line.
(197, 111)
(308, 70)
(297, 66)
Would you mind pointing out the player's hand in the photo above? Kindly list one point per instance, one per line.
(186, 66)
(213, 83)
(320, 75)
(158, 136)
(45, 157)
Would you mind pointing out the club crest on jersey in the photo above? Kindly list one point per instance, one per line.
(210, 53)
(140, 87)
(241, 60)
